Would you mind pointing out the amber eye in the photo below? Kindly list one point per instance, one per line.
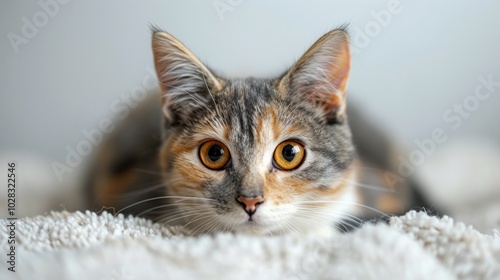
(289, 155)
(214, 155)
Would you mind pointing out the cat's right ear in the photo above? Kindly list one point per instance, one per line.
(185, 82)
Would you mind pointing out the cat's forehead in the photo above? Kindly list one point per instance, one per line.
(248, 104)
(253, 91)
(246, 107)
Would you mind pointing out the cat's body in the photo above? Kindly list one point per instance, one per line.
(255, 156)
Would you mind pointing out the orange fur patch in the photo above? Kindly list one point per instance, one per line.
(282, 191)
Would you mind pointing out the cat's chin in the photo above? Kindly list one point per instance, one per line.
(252, 228)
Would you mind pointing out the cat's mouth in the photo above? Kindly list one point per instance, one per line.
(249, 224)
(248, 221)
(254, 226)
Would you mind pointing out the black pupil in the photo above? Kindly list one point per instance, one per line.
(215, 152)
(289, 152)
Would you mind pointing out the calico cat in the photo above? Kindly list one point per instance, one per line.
(255, 156)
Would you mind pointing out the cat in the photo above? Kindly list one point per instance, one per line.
(251, 156)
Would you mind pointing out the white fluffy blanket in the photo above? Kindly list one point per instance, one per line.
(78, 245)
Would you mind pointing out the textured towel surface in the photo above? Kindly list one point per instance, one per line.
(79, 245)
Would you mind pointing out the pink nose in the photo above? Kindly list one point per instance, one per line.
(250, 203)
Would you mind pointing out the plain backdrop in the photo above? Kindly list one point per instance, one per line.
(406, 73)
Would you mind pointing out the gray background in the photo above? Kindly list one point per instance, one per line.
(89, 53)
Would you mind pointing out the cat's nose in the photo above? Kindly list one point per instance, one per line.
(250, 203)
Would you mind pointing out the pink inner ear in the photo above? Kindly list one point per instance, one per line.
(339, 71)
(339, 75)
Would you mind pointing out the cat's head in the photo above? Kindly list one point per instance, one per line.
(259, 156)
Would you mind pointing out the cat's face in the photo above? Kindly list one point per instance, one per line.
(257, 156)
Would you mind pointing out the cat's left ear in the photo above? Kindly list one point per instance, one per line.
(320, 75)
